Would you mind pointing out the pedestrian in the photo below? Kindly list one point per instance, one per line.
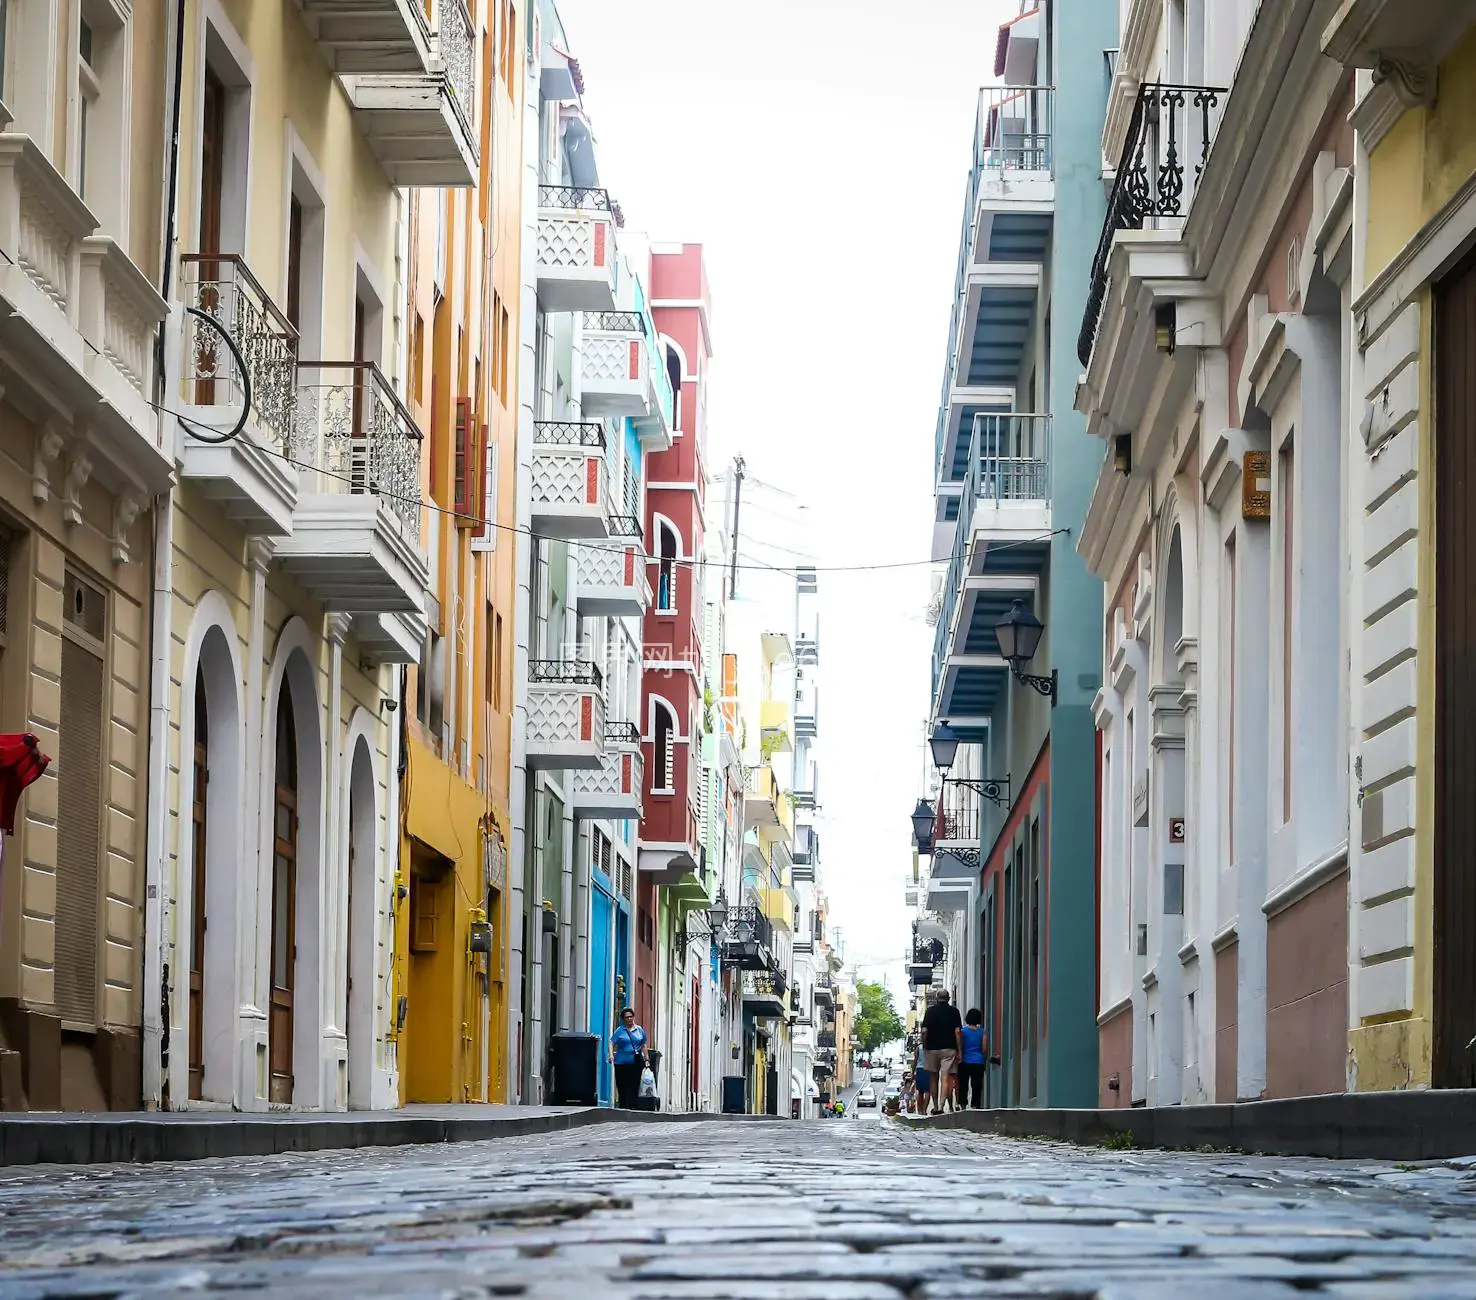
(920, 1079)
(628, 1054)
(941, 1028)
(973, 1046)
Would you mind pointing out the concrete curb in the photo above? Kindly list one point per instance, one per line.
(1423, 1125)
(142, 1138)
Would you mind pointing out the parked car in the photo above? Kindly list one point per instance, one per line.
(893, 1092)
(866, 1097)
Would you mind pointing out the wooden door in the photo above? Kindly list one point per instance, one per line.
(209, 355)
(294, 262)
(348, 959)
(1454, 901)
(284, 904)
(197, 897)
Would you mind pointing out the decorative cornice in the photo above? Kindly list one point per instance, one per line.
(1414, 78)
(1374, 115)
(1311, 878)
(259, 552)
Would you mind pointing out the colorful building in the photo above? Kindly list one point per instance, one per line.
(463, 273)
(1411, 942)
(1011, 877)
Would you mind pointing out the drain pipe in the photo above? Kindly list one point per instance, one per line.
(158, 917)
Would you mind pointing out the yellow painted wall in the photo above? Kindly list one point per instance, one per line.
(452, 345)
(1429, 154)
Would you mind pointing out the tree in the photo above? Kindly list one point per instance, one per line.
(877, 1021)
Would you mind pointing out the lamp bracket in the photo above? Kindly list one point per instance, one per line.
(1040, 685)
(994, 788)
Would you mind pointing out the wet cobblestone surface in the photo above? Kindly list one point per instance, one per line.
(856, 1210)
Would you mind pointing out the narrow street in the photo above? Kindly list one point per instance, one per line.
(769, 1208)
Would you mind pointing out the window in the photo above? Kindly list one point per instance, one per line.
(1230, 621)
(294, 262)
(666, 576)
(503, 348)
(88, 90)
(465, 462)
(674, 373)
(1286, 492)
(665, 750)
(417, 359)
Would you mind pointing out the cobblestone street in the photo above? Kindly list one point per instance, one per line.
(849, 1208)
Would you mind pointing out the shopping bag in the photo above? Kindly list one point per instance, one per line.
(648, 1083)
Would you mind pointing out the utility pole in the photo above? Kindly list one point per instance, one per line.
(738, 468)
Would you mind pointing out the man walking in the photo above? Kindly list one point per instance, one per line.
(942, 1029)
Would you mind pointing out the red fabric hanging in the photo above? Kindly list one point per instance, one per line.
(21, 762)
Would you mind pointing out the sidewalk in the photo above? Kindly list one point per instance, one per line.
(1429, 1124)
(99, 1137)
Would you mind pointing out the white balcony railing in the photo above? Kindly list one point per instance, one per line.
(566, 714)
(570, 479)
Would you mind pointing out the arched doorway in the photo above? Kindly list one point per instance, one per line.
(199, 822)
(362, 912)
(285, 821)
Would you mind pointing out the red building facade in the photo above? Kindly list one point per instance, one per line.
(671, 688)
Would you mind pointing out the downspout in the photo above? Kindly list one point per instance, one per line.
(157, 920)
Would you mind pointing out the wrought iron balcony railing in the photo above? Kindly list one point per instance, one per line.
(616, 322)
(622, 733)
(569, 433)
(1167, 145)
(584, 198)
(825, 1038)
(564, 672)
(1013, 132)
(458, 52)
(960, 814)
(626, 526)
(223, 287)
(748, 925)
(359, 437)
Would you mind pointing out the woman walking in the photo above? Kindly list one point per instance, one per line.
(974, 1043)
(628, 1054)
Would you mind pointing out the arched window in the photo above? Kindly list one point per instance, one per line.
(284, 900)
(665, 748)
(674, 373)
(666, 577)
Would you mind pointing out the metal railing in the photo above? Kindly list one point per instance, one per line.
(960, 814)
(765, 985)
(615, 322)
(580, 198)
(622, 733)
(1009, 460)
(358, 435)
(625, 526)
(569, 433)
(223, 287)
(457, 39)
(565, 672)
(747, 924)
(1165, 152)
(825, 1038)
(1014, 128)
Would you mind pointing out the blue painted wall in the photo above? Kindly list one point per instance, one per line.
(1082, 30)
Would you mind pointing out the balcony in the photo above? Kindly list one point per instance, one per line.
(1164, 153)
(370, 36)
(1013, 188)
(612, 574)
(777, 902)
(576, 249)
(566, 715)
(947, 895)
(776, 731)
(747, 940)
(570, 480)
(615, 364)
(765, 805)
(249, 476)
(909, 896)
(1001, 546)
(355, 540)
(419, 123)
(806, 724)
(825, 988)
(763, 993)
(614, 788)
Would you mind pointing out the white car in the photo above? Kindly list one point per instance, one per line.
(893, 1092)
(866, 1097)
(879, 1075)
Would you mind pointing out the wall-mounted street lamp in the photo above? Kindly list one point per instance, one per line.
(922, 827)
(1018, 634)
(944, 743)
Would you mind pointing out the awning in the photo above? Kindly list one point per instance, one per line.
(21, 762)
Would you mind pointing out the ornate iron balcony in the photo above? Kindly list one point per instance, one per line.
(569, 433)
(576, 197)
(458, 51)
(622, 733)
(1167, 145)
(565, 672)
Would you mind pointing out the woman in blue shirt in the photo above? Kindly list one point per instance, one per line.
(628, 1053)
(972, 1041)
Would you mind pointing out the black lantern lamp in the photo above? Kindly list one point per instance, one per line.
(717, 914)
(1018, 634)
(944, 744)
(923, 821)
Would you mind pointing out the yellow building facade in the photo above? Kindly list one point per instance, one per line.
(1412, 950)
(462, 320)
(297, 560)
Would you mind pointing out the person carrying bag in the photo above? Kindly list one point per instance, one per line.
(628, 1054)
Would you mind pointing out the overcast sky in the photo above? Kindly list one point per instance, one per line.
(818, 149)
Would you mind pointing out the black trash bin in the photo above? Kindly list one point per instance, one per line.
(735, 1094)
(574, 1059)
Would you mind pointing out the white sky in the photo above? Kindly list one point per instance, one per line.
(818, 149)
